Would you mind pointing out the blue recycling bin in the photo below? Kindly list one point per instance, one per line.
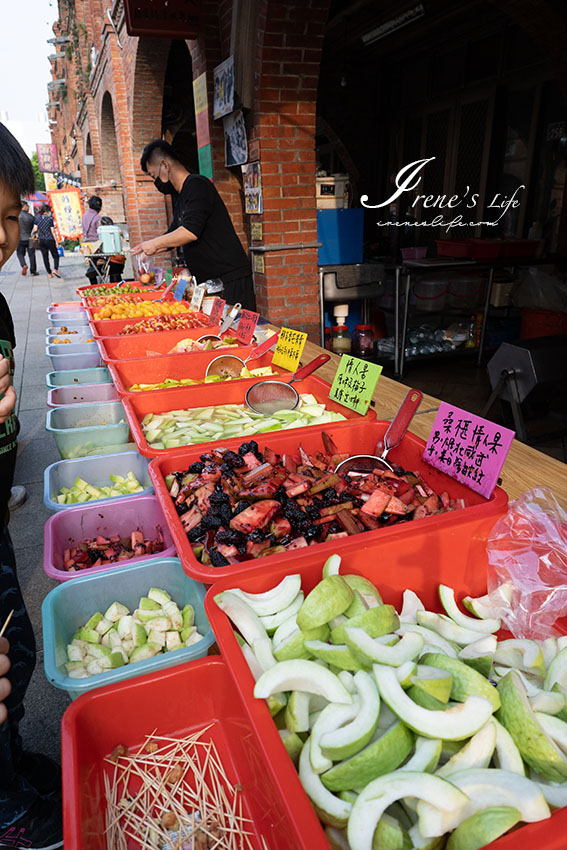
(341, 233)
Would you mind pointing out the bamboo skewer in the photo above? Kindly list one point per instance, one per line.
(6, 622)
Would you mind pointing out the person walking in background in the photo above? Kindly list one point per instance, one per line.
(45, 228)
(91, 219)
(26, 226)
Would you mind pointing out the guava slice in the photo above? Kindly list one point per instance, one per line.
(476, 753)
(244, 618)
(339, 655)
(506, 754)
(300, 675)
(426, 756)
(466, 681)
(297, 712)
(489, 605)
(331, 718)
(480, 654)
(548, 702)
(380, 793)
(369, 651)
(410, 606)
(535, 746)
(429, 637)
(382, 755)
(549, 649)
(381, 620)
(435, 682)
(284, 630)
(332, 566)
(521, 653)
(555, 793)
(368, 592)
(425, 700)
(557, 672)
(484, 788)
(273, 600)
(390, 835)
(405, 672)
(454, 724)
(330, 808)
(293, 744)
(480, 829)
(447, 597)
(555, 728)
(331, 597)
(343, 742)
(272, 621)
(277, 701)
(448, 629)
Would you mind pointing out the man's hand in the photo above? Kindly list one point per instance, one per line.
(149, 247)
(7, 392)
(5, 686)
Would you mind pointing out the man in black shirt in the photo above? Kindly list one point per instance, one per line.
(210, 245)
(26, 227)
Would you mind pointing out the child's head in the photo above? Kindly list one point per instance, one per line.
(16, 178)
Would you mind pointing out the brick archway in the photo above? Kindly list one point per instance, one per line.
(109, 147)
(147, 91)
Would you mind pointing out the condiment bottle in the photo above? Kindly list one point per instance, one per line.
(340, 337)
(363, 342)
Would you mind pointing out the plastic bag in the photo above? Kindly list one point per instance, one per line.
(527, 565)
(540, 290)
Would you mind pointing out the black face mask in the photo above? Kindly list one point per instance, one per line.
(166, 188)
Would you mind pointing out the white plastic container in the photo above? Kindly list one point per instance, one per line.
(430, 294)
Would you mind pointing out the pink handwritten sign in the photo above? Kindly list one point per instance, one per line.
(470, 449)
(247, 326)
(216, 311)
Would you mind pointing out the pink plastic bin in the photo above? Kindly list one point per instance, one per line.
(120, 516)
(82, 394)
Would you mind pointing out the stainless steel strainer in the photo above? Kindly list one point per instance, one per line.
(267, 397)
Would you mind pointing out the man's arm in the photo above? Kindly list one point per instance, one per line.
(179, 236)
(7, 391)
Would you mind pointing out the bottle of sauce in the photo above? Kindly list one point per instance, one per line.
(340, 339)
(363, 342)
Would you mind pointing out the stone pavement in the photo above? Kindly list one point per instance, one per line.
(28, 298)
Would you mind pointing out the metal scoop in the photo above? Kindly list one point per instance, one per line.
(267, 397)
(226, 323)
(231, 366)
(364, 464)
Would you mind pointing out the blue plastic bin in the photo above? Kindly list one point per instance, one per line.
(70, 377)
(68, 607)
(81, 428)
(95, 470)
(341, 232)
(79, 356)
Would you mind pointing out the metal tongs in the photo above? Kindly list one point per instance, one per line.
(365, 464)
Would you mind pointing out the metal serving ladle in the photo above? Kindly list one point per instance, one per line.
(231, 366)
(364, 464)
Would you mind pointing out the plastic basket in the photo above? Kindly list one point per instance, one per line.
(68, 607)
(66, 307)
(537, 323)
(80, 356)
(354, 438)
(142, 346)
(94, 724)
(75, 316)
(83, 338)
(96, 471)
(82, 394)
(80, 428)
(125, 373)
(113, 327)
(81, 326)
(71, 377)
(67, 529)
(419, 563)
(138, 405)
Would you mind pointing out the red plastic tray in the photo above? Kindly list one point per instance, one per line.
(356, 437)
(177, 702)
(487, 249)
(124, 373)
(112, 327)
(419, 563)
(137, 346)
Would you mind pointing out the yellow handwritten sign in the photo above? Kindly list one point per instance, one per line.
(67, 212)
(354, 383)
(289, 349)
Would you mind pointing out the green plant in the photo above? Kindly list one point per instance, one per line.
(39, 178)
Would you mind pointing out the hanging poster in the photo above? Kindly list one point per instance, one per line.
(224, 88)
(50, 181)
(47, 157)
(236, 144)
(201, 101)
(67, 212)
(252, 177)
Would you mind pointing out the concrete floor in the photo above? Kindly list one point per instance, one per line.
(458, 382)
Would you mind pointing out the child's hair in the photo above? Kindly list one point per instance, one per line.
(16, 171)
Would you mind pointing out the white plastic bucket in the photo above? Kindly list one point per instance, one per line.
(111, 238)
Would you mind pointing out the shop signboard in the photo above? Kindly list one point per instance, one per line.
(354, 383)
(67, 212)
(174, 19)
(47, 157)
(470, 449)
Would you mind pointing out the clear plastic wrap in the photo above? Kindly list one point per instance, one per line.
(527, 565)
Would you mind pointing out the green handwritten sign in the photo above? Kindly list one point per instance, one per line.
(354, 383)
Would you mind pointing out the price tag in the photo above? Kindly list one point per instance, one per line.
(197, 299)
(354, 383)
(470, 449)
(216, 311)
(180, 289)
(289, 349)
(246, 326)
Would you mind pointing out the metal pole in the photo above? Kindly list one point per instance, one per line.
(321, 309)
(485, 316)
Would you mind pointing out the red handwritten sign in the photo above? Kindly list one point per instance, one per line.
(216, 311)
(470, 449)
(247, 326)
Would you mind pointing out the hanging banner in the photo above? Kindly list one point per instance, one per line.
(224, 88)
(201, 101)
(50, 181)
(236, 143)
(47, 157)
(252, 177)
(470, 449)
(67, 212)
